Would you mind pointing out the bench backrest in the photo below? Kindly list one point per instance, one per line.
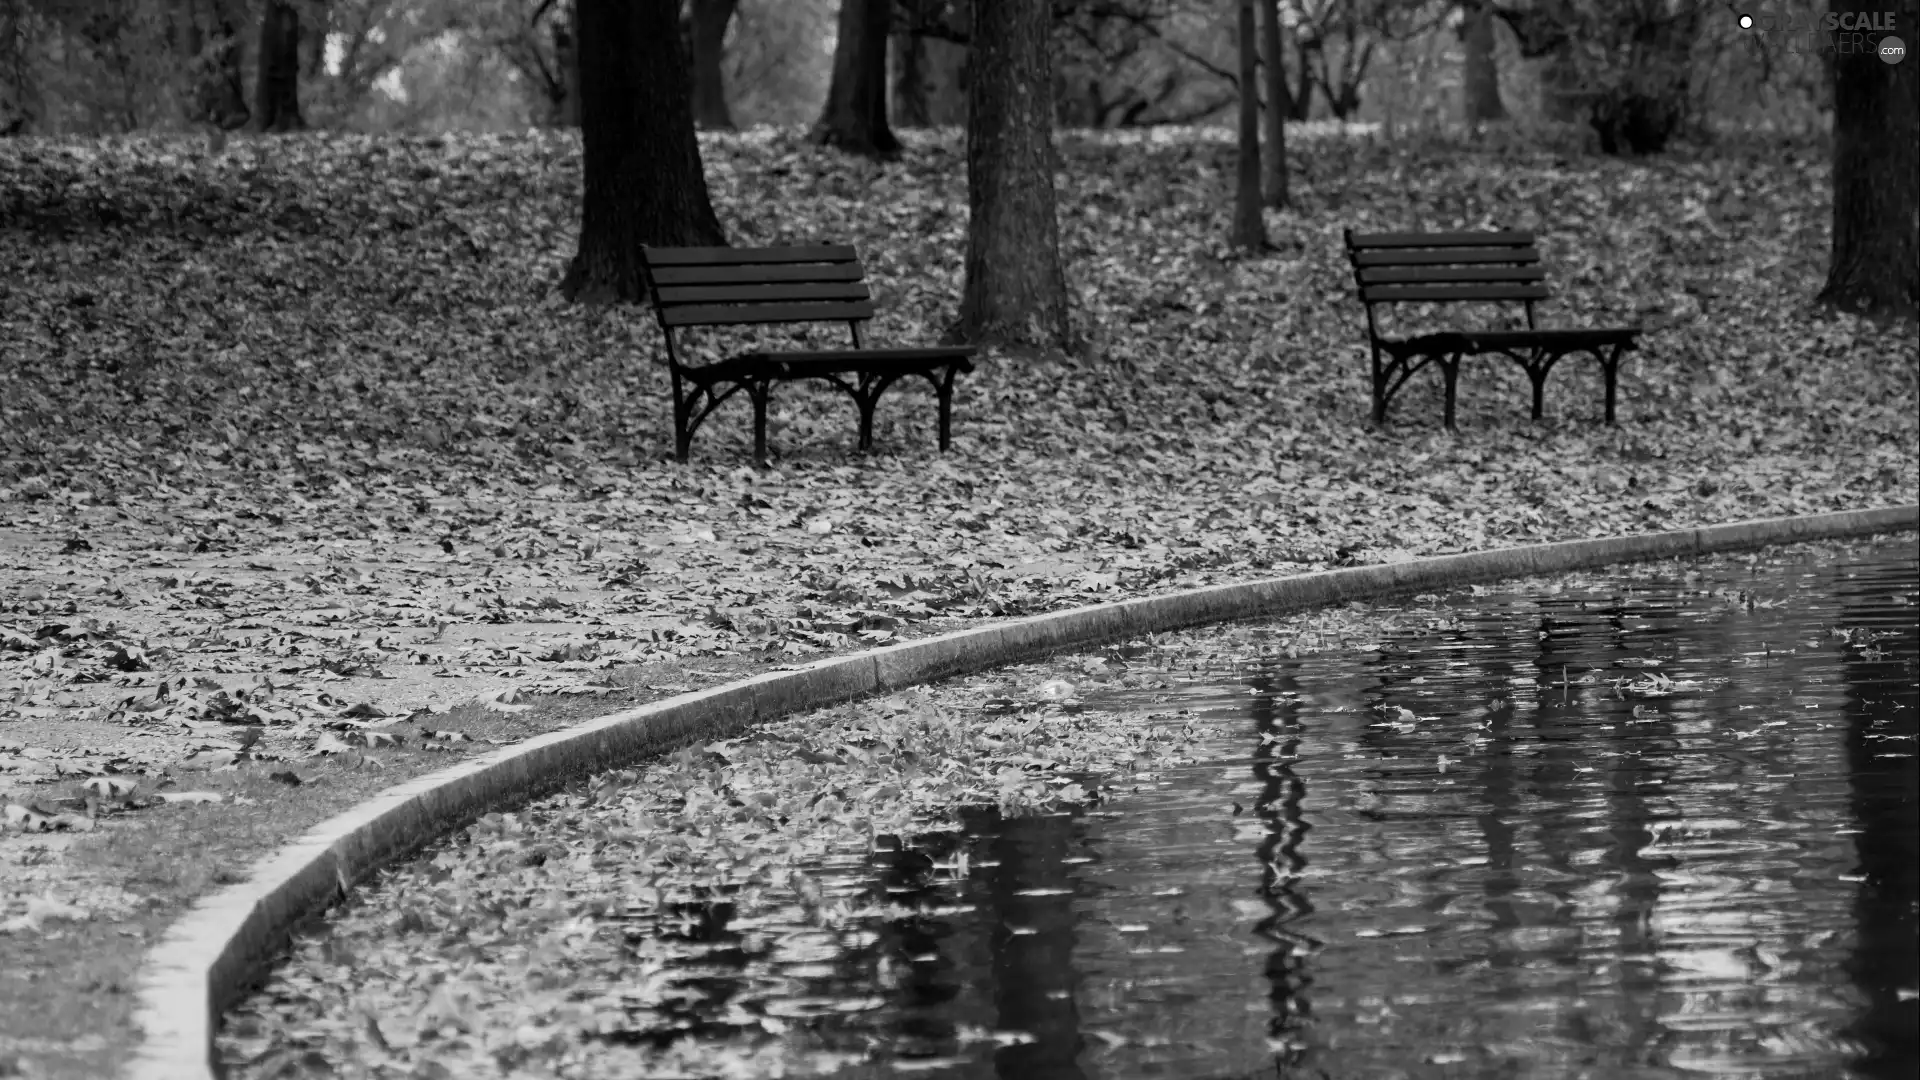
(1443, 267)
(726, 286)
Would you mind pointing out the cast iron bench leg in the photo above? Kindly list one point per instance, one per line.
(1450, 368)
(1610, 367)
(944, 391)
(1537, 372)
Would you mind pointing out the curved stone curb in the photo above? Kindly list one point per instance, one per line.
(229, 940)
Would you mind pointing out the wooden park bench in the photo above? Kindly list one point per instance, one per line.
(724, 286)
(1496, 267)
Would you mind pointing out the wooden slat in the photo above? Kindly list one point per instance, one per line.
(1388, 294)
(731, 314)
(755, 275)
(1449, 274)
(728, 256)
(1438, 258)
(764, 294)
(1513, 238)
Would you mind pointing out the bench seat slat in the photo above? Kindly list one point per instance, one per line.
(729, 314)
(1570, 338)
(731, 256)
(1460, 256)
(1359, 241)
(802, 363)
(1449, 274)
(765, 293)
(823, 360)
(758, 274)
(1388, 294)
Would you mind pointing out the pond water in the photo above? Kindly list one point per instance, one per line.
(1655, 822)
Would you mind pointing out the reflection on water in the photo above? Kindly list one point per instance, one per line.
(1637, 827)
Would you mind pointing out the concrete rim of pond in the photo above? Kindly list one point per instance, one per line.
(228, 940)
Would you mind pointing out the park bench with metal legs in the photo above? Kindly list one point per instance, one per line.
(1496, 267)
(724, 286)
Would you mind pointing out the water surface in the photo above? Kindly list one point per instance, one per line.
(1651, 823)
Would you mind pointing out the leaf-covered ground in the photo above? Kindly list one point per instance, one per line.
(297, 440)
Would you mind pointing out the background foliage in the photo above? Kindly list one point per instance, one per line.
(107, 66)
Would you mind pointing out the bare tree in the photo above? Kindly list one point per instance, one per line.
(1479, 69)
(644, 181)
(855, 116)
(277, 92)
(211, 40)
(1016, 288)
(1876, 156)
(710, 19)
(1249, 232)
(540, 45)
(1276, 154)
(909, 78)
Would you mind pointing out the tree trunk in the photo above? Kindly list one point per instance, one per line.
(1876, 154)
(1479, 71)
(855, 117)
(1248, 231)
(710, 19)
(644, 183)
(910, 80)
(277, 93)
(1278, 106)
(1016, 287)
(212, 44)
(1300, 105)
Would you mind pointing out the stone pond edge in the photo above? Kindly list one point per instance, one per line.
(212, 955)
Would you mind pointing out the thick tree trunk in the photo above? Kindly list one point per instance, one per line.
(212, 44)
(910, 80)
(644, 183)
(1016, 289)
(855, 117)
(276, 103)
(1278, 106)
(1876, 155)
(1248, 231)
(1479, 71)
(710, 19)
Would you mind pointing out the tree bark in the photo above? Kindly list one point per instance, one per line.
(644, 182)
(1876, 155)
(1248, 230)
(277, 92)
(1480, 72)
(1278, 106)
(855, 116)
(1016, 285)
(710, 19)
(910, 80)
